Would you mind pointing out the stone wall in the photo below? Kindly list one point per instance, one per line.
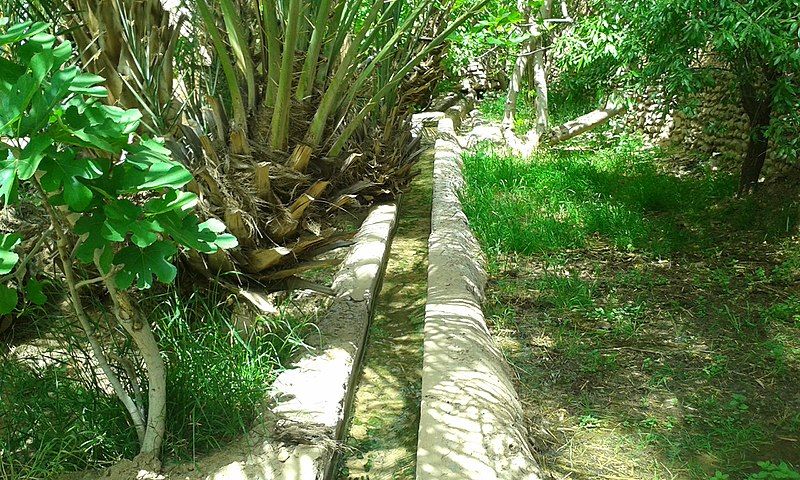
(710, 123)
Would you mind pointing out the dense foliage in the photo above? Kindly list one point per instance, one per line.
(680, 44)
(64, 145)
(112, 199)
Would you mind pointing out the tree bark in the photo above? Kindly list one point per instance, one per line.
(540, 72)
(139, 330)
(759, 111)
(582, 124)
(535, 50)
(514, 86)
(515, 83)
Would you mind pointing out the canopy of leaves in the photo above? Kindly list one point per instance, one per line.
(677, 44)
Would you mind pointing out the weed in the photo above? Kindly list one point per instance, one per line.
(53, 420)
(568, 292)
(717, 366)
(767, 471)
(54, 423)
(787, 311)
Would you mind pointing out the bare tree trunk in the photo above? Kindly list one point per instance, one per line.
(139, 330)
(514, 86)
(540, 72)
(759, 110)
(515, 83)
(535, 49)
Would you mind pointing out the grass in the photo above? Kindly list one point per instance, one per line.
(217, 375)
(55, 420)
(653, 321)
(563, 199)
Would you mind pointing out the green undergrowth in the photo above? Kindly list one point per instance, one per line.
(651, 318)
(563, 198)
(54, 420)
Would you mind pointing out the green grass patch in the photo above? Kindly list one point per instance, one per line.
(561, 199)
(54, 419)
(217, 375)
(653, 319)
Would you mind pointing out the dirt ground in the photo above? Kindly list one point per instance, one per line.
(642, 368)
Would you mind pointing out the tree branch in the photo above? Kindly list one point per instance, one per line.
(83, 318)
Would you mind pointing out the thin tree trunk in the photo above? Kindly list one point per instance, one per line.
(540, 72)
(139, 330)
(517, 74)
(759, 111)
(514, 86)
(535, 49)
(83, 318)
(156, 378)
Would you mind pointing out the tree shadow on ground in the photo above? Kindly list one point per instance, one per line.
(658, 343)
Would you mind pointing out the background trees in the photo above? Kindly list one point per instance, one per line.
(679, 44)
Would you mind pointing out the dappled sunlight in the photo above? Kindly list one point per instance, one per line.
(663, 369)
(381, 439)
(471, 424)
(646, 316)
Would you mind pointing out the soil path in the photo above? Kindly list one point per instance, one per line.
(382, 436)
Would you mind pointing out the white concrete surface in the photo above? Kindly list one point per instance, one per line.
(305, 420)
(471, 424)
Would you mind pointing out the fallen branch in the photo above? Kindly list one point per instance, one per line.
(524, 146)
(582, 124)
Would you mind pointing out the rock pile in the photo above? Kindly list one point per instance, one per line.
(475, 80)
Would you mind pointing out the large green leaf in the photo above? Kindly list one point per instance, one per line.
(224, 241)
(8, 179)
(147, 153)
(32, 155)
(88, 84)
(34, 293)
(123, 217)
(142, 264)
(97, 236)
(16, 102)
(9, 74)
(8, 299)
(172, 200)
(21, 31)
(98, 127)
(160, 175)
(40, 65)
(65, 171)
(127, 121)
(186, 231)
(8, 258)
